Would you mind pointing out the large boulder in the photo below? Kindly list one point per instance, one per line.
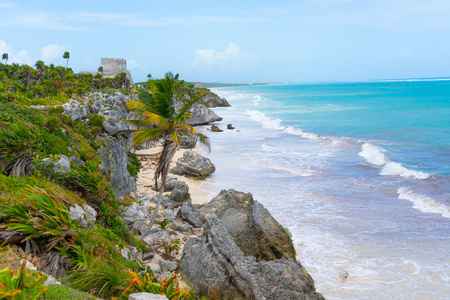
(193, 164)
(253, 228)
(232, 275)
(179, 194)
(192, 214)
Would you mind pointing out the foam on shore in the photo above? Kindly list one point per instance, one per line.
(373, 154)
(423, 203)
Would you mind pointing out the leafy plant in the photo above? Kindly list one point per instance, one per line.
(20, 285)
(149, 284)
(45, 217)
(164, 223)
(172, 246)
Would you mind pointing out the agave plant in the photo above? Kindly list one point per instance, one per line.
(162, 121)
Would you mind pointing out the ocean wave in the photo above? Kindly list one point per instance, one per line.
(256, 99)
(267, 122)
(423, 203)
(308, 135)
(373, 154)
(396, 169)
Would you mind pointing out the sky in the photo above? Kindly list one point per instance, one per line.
(236, 41)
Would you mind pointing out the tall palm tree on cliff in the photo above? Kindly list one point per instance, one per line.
(66, 55)
(162, 121)
(5, 57)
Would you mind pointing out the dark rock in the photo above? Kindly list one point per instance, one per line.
(165, 201)
(215, 128)
(229, 126)
(171, 182)
(232, 275)
(167, 265)
(179, 194)
(253, 228)
(188, 142)
(193, 164)
(191, 214)
(147, 256)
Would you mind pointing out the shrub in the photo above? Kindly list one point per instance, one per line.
(21, 284)
(135, 164)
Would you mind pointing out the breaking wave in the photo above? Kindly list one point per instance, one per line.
(423, 203)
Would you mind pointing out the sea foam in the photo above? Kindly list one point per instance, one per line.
(267, 122)
(423, 203)
(396, 169)
(373, 154)
(307, 135)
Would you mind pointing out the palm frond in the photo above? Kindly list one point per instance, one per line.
(151, 118)
(138, 106)
(142, 135)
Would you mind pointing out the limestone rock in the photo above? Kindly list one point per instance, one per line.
(85, 216)
(179, 194)
(212, 100)
(230, 126)
(188, 142)
(201, 115)
(146, 296)
(51, 281)
(114, 162)
(192, 214)
(75, 109)
(61, 166)
(232, 275)
(253, 228)
(193, 164)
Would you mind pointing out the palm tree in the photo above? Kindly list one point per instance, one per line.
(66, 56)
(162, 121)
(5, 57)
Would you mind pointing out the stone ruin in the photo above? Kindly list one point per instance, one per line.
(115, 66)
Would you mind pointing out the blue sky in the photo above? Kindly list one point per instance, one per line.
(236, 41)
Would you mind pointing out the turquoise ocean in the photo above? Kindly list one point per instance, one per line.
(358, 172)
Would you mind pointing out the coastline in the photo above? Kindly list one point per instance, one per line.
(145, 180)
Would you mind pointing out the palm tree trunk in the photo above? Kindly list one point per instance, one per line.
(158, 204)
(163, 165)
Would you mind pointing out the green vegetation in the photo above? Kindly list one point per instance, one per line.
(35, 197)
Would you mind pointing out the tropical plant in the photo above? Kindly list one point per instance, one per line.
(162, 121)
(66, 55)
(45, 217)
(20, 285)
(5, 58)
(164, 223)
(149, 284)
(172, 246)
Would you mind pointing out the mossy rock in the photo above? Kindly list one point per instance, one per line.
(60, 292)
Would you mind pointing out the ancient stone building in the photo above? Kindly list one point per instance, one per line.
(115, 66)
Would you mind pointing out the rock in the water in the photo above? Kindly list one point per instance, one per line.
(342, 274)
(253, 228)
(193, 164)
(216, 128)
(232, 275)
(229, 126)
(192, 214)
(188, 142)
(201, 115)
(146, 296)
(179, 194)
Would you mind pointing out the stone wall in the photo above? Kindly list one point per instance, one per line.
(115, 66)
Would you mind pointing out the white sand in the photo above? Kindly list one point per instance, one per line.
(149, 159)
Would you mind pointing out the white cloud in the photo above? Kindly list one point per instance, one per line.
(20, 57)
(232, 56)
(134, 65)
(5, 5)
(51, 52)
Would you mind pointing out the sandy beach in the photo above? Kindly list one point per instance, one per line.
(149, 158)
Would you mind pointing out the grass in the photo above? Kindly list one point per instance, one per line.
(60, 292)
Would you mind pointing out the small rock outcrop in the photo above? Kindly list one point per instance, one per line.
(188, 142)
(229, 126)
(201, 115)
(146, 296)
(193, 164)
(85, 216)
(215, 128)
(212, 100)
(61, 166)
(179, 194)
(253, 228)
(232, 275)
